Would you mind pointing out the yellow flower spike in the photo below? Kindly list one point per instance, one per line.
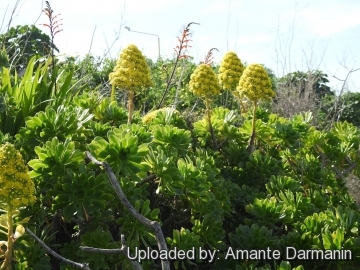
(16, 190)
(131, 73)
(16, 187)
(255, 83)
(203, 82)
(230, 71)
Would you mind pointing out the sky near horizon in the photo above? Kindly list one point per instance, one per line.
(284, 35)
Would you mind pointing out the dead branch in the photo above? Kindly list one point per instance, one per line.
(337, 113)
(53, 253)
(154, 225)
(122, 250)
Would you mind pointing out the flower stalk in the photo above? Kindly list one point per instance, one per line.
(54, 27)
(211, 130)
(255, 84)
(204, 84)
(10, 240)
(180, 51)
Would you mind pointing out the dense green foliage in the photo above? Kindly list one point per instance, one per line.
(23, 42)
(301, 80)
(347, 107)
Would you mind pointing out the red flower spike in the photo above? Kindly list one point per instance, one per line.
(54, 25)
(54, 20)
(209, 57)
(179, 50)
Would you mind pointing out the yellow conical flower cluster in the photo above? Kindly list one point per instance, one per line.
(16, 187)
(203, 82)
(131, 71)
(255, 83)
(230, 71)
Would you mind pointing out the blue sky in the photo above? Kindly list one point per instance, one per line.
(285, 35)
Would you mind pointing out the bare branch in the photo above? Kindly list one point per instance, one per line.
(147, 179)
(10, 21)
(53, 253)
(154, 225)
(3, 19)
(337, 113)
(12, 14)
(122, 15)
(87, 59)
(176, 100)
(122, 250)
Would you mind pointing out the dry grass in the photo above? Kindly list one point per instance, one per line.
(352, 182)
(294, 96)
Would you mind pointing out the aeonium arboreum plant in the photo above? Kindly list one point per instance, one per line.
(130, 74)
(230, 71)
(16, 191)
(255, 84)
(204, 84)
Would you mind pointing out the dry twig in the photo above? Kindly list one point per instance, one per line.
(53, 253)
(154, 225)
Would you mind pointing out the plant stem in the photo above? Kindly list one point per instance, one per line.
(53, 63)
(182, 47)
(208, 113)
(226, 99)
(130, 105)
(9, 250)
(252, 140)
(179, 84)
(112, 97)
(169, 82)
(243, 109)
